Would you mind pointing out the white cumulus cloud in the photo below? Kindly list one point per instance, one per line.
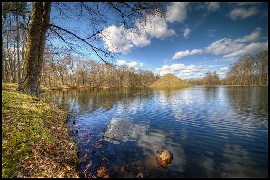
(177, 12)
(154, 25)
(180, 69)
(132, 64)
(122, 40)
(187, 31)
(249, 49)
(115, 41)
(237, 47)
(223, 69)
(242, 13)
(223, 46)
(121, 62)
(208, 6)
(212, 6)
(200, 74)
(181, 54)
(254, 36)
(137, 38)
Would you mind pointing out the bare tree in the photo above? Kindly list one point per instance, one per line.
(40, 18)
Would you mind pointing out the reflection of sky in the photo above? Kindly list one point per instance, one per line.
(121, 130)
(213, 109)
(239, 163)
(236, 163)
(131, 107)
(198, 125)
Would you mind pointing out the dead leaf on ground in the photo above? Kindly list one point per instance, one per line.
(101, 172)
(140, 175)
(88, 165)
(222, 174)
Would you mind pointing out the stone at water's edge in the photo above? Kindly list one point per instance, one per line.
(158, 163)
(165, 157)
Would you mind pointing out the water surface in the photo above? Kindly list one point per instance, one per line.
(211, 131)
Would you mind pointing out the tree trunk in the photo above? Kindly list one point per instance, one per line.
(23, 49)
(18, 55)
(13, 66)
(3, 60)
(83, 79)
(39, 20)
(6, 67)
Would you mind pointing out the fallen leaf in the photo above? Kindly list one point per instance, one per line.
(88, 165)
(122, 169)
(140, 175)
(222, 174)
(101, 172)
(97, 145)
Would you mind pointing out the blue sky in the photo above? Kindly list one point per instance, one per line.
(192, 39)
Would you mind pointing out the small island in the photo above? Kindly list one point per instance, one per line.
(170, 80)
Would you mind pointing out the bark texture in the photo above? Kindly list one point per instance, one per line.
(40, 18)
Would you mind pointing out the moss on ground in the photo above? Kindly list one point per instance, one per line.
(35, 139)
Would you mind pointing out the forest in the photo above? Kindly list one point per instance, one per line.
(77, 71)
(91, 73)
(251, 70)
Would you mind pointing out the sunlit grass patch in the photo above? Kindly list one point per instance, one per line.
(34, 134)
(9, 86)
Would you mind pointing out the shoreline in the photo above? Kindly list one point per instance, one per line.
(235, 85)
(59, 88)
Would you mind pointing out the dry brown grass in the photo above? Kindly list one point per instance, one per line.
(170, 80)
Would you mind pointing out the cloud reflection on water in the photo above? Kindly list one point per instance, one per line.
(209, 130)
(152, 141)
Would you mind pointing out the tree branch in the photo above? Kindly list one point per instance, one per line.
(93, 35)
(81, 40)
(63, 40)
(122, 15)
(91, 10)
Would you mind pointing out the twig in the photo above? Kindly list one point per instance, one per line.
(81, 40)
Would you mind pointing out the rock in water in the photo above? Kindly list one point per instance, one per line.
(165, 157)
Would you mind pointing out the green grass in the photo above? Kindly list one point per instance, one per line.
(34, 133)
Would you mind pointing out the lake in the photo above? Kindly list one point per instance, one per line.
(213, 131)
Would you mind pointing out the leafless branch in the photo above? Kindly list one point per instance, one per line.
(63, 40)
(94, 48)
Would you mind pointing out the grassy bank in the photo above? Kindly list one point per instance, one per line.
(35, 140)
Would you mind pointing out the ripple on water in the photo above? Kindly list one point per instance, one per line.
(211, 131)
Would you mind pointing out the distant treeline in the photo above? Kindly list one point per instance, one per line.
(248, 70)
(79, 71)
